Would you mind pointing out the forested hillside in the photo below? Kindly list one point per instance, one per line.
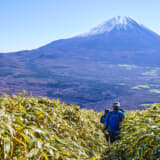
(40, 128)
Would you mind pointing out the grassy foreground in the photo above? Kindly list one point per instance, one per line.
(38, 128)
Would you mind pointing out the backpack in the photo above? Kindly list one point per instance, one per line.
(103, 117)
(102, 120)
(113, 121)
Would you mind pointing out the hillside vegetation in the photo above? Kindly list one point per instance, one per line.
(39, 128)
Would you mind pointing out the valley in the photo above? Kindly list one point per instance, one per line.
(90, 85)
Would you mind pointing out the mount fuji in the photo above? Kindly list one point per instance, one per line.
(116, 23)
(118, 40)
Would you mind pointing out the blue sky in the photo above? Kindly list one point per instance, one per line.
(28, 24)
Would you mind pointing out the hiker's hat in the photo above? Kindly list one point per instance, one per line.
(116, 104)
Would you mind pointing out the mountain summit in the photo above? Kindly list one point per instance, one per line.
(118, 22)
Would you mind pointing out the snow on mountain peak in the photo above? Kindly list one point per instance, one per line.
(118, 22)
(121, 20)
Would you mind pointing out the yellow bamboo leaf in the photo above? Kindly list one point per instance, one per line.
(19, 141)
(45, 156)
(25, 137)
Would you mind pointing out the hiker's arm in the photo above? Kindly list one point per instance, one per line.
(105, 124)
(122, 115)
(106, 120)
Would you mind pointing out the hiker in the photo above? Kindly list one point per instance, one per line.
(112, 122)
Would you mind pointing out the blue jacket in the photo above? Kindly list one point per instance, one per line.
(113, 119)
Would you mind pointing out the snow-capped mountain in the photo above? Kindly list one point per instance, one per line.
(120, 33)
(118, 40)
(118, 22)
